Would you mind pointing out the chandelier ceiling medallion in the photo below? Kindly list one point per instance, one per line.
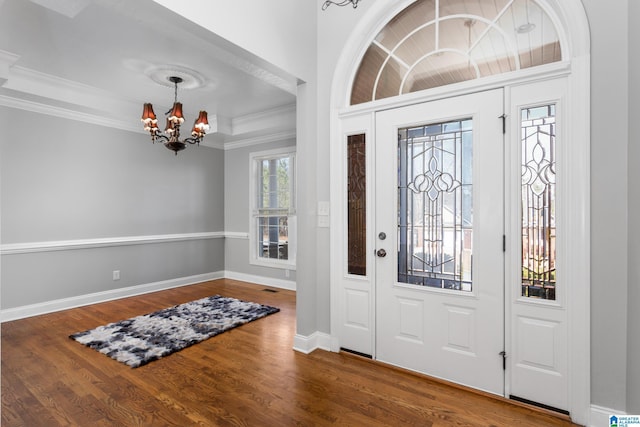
(328, 3)
(174, 121)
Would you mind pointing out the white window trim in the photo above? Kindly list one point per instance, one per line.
(254, 259)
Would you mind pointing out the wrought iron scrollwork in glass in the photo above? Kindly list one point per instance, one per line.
(357, 205)
(435, 205)
(539, 202)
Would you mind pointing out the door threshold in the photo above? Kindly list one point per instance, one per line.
(357, 353)
(539, 405)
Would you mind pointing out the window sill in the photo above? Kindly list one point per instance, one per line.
(283, 265)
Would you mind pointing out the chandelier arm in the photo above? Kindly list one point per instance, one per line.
(159, 136)
(193, 141)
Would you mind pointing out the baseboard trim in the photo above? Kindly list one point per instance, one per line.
(261, 280)
(600, 416)
(315, 341)
(98, 297)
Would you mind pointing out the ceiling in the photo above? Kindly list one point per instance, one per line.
(100, 60)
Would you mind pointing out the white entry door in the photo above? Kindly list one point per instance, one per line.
(439, 239)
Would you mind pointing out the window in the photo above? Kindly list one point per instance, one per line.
(538, 130)
(435, 43)
(357, 204)
(273, 221)
(435, 202)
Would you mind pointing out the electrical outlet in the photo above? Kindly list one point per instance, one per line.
(286, 274)
(116, 274)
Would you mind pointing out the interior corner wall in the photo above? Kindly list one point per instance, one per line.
(237, 211)
(633, 302)
(609, 203)
(66, 180)
(278, 31)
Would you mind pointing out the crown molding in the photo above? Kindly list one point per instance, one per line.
(262, 139)
(32, 82)
(7, 59)
(281, 117)
(31, 90)
(66, 113)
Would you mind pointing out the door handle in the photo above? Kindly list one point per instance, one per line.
(381, 253)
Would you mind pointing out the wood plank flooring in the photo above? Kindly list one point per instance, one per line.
(249, 376)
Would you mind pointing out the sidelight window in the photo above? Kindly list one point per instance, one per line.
(538, 131)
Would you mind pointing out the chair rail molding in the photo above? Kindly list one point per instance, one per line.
(66, 245)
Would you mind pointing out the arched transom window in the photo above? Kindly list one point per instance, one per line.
(438, 42)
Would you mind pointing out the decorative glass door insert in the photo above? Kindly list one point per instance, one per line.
(357, 205)
(435, 205)
(538, 130)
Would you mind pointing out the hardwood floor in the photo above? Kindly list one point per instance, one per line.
(249, 376)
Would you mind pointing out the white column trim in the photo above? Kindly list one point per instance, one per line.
(600, 416)
(315, 341)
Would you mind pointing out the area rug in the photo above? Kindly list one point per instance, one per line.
(142, 339)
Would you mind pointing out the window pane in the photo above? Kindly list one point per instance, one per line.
(356, 205)
(435, 217)
(436, 43)
(274, 237)
(538, 132)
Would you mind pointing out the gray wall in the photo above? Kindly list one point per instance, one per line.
(69, 180)
(236, 208)
(633, 352)
(609, 206)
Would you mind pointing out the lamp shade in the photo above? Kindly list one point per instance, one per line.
(202, 122)
(176, 113)
(151, 126)
(148, 116)
(170, 128)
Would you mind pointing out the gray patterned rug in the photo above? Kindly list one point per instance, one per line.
(142, 339)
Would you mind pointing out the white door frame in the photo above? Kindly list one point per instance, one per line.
(571, 22)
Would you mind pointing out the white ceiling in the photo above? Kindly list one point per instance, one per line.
(92, 60)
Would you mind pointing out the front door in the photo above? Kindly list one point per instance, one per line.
(439, 270)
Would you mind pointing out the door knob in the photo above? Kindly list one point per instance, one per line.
(381, 253)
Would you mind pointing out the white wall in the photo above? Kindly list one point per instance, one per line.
(68, 180)
(284, 28)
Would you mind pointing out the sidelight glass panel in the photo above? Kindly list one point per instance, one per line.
(538, 132)
(356, 205)
(435, 205)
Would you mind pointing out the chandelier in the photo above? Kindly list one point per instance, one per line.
(174, 121)
(328, 3)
